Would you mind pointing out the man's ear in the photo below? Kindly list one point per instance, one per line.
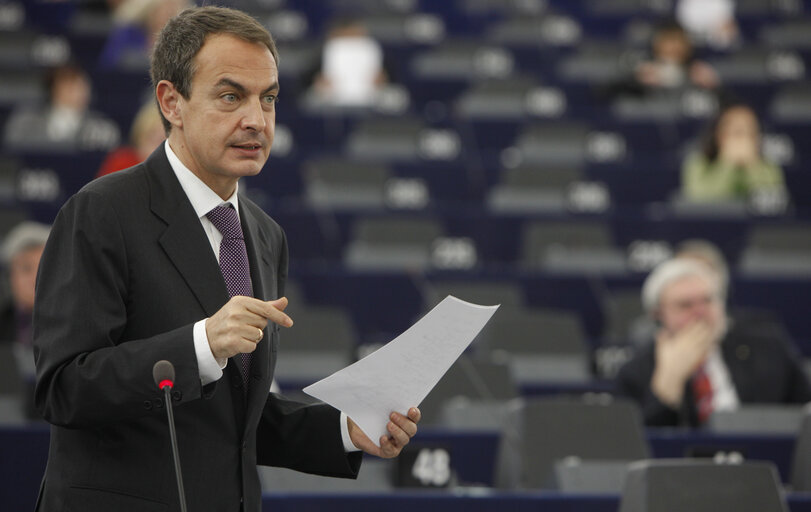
(170, 102)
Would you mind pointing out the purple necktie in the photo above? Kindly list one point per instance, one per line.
(233, 264)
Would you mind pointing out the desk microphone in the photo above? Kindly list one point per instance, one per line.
(164, 374)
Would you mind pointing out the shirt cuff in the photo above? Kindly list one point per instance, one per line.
(349, 446)
(210, 369)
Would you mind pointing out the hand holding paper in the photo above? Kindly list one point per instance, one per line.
(400, 374)
(400, 431)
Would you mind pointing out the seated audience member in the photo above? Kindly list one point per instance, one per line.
(671, 66)
(352, 69)
(145, 135)
(672, 63)
(66, 123)
(137, 23)
(701, 360)
(21, 252)
(730, 165)
(711, 22)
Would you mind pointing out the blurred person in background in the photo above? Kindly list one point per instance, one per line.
(704, 251)
(146, 134)
(701, 360)
(669, 67)
(66, 123)
(672, 63)
(21, 252)
(730, 165)
(352, 70)
(710, 22)
(137, 24)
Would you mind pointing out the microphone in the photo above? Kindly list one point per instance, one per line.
(164, 374)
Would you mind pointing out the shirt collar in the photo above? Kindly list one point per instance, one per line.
(202, 198)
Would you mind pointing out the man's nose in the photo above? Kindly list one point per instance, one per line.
(254, 116)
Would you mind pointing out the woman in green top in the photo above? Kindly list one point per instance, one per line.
(730, 165)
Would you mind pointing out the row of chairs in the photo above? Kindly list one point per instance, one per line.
(599, 447)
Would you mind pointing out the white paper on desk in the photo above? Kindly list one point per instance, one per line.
(400, 374)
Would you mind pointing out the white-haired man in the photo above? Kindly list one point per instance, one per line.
(21, 251)
(701, 361)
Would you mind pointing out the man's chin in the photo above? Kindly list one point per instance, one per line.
(247, 168)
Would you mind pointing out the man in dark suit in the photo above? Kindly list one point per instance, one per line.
(139, 269)
(702, 361)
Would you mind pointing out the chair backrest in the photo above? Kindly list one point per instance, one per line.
(781, 237)
(622, 309)
(583, 246)
(801, 464)
(505, 293)
(322, 341)
(471, 379)
(341, 183)
(533, 331)
(665, 485)
(397, 231)
(539, 433)
(758, 418)
(553, 144)
(319, 329)
(392, 243)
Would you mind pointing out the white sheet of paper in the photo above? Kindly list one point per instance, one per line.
(400, 374)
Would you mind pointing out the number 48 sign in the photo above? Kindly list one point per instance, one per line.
(424, 466)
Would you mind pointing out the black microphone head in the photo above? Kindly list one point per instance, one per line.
(164, 374)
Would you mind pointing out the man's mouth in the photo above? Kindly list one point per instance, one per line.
(248, 146)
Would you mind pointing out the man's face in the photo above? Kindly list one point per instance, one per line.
(23, 277)
(688, 300)
(227, 123)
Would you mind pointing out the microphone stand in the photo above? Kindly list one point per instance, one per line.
(170, 414)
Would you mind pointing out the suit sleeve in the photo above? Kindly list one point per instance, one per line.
(304, 437)
(633, 381)
(86, 374)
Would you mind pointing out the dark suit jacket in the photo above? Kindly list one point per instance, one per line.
(763, 365)
(126, 273)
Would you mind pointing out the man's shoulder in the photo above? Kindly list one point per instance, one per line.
(119, 185)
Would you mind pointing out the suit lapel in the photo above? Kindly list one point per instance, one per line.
(184, 240)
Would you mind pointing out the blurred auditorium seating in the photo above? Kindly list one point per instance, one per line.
(659, 485)
(542, 433)
(800, 478)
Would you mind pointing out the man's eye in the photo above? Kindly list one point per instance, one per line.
(230, 98)
(271, 98)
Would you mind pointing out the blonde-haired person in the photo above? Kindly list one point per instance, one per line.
(146, 134)
(701, 360)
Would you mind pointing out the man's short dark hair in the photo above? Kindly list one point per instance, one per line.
(184, 35)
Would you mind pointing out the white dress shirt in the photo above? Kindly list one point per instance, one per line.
(724, 396)
(203, 200)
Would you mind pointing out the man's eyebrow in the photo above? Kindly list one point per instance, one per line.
(227, 82)
(274, 87)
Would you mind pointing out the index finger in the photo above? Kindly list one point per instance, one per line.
(267, 310)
